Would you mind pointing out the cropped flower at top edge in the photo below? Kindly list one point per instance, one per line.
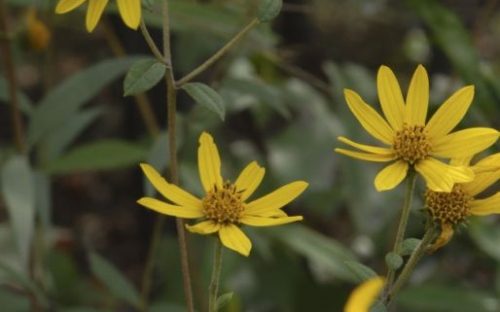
(448, 210)
(364, 295)
(411, 142)
(224, 207)
(130, 11)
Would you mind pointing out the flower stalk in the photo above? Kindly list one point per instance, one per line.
(213, 288)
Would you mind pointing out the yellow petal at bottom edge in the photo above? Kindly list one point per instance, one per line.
(130, 11)
(487, 206)
(204, 227)
(441, 177)
(444, 237)
(65, 6)
(390, 177)
(233, 238)
(263, 221)
(364, 296)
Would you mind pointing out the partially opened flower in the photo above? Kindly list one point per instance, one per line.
(130, 11)
(364, 296)
(224, 208)
(410, 141)
(448, 210)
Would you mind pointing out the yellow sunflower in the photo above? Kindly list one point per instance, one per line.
(130, 11)
(410, 141)
(449, 210)
(224, 208)
(363, 297)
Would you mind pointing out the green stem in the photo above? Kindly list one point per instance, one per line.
(10, 75)
(213, 288)
(403, 222)
(415, 257)
(151, 43)
(198, 70)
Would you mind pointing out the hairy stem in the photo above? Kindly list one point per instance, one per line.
(213, 288)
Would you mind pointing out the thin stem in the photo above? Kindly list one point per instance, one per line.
(213, 288)
(415, 257)
(198, 70)
(403, 221)
(151, 43)
(10, 73)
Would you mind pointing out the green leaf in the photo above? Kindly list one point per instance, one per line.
(142, 76)
(207, 97)
(14, 302)
(19, 194)
(361, 271)
(269, 9)
(101, 155)
(117, 284)
(393, 260)
(378, 307)
(223, 300)
(70, 95)
(25, 104)
(409, 245)
(24, 281)
(326, 256)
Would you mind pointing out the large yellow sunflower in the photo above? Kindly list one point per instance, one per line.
(410, 141)
(449, 210)
(130, 11)
(223, 209)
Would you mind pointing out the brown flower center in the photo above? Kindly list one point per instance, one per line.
(450, 208)
(411, 143)
(223, 205)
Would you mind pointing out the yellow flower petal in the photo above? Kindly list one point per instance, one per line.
(209, 163)
(444, 237)
(276, 213)
(260, 221)
(365, 295)
(276, 199)
(417, 99)
(487, 206)
(481, 181)
(462, 161)
(249, 179)
(367, 148)
(233, 238)
(488, 163)
(170, 191)
(464, 142)
(368, 117)
(204, 227)
(170, 210)
(450, 113)
(440, 177)
(94, 12)
(390, 97)
(130, 11)
(390, 177)
(366, 156)
(65, 6)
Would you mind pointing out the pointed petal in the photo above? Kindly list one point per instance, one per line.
(390, 177)
(417, 99)
(94, 12)
(366, 156)
(481, 181)
(233, 238)
(276, 213)
(363, 297)
(369, 118)
(276, 199)
(65, 6)
(390, 97)
(474, 139)
(261, 221)
(367, 148)
(170, 191)
(209, 163)
(444, 237)
(487, 206)
(249, 179)
(461, 161)
(170, 210)
(130, 11)
(440, 177)
(450, 113)
(488, 163)
(204, 227)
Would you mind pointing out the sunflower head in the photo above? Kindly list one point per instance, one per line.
(411, 143)
(448, 208)
(223, 205)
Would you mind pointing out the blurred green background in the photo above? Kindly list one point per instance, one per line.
(282, 91)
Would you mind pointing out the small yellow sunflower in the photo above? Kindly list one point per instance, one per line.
(130, 11)
(449, 210)
(223, 209)
(410, 141)
(363, 297)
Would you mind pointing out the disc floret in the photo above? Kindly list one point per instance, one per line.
(411, 143)
(223, 205)
(448, 208)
